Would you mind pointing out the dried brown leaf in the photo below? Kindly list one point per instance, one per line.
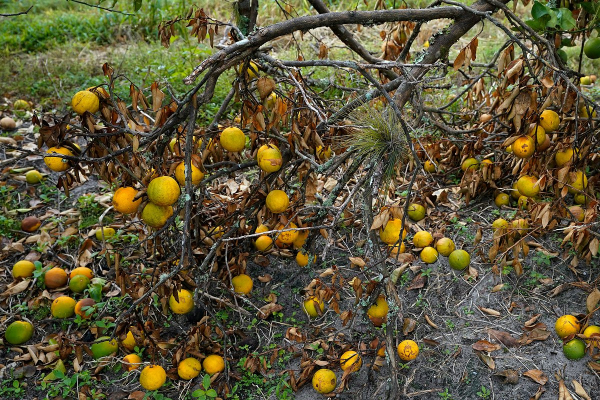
(537, 376)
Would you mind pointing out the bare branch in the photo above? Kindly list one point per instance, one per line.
(101, 8)
(15, 14)
(265, 35)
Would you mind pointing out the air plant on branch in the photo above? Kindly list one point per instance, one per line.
(378, 139)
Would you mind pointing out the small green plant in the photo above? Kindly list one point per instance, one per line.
(11, 390)
(450, 324)
(484, 393)
(205, 392)
(445, 395)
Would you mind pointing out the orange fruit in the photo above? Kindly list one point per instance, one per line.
(129, 342)
(104, 347)
(107, 231)
(567, 325)
(269, 158)
(592, 330)
(213, 364)
(57, 164)
(523, 201)
(580, 198)
(163, 191)
(131, 362)
(416, 212)
(85, 101)
(515, 192)
(185, 303)
(574, 349)
(23, 269)
(502, 200)
(242, 284)
(18, 332)
(429, 255)
(539, 133)
(55, 278)
(263, 242)
(63, 307)
(379, 309)
(499, 223)
(85, 308)
(312, 305)
(82, 271)
(523, 147)
(123, 200)
(422, 239)
(579, 183)
(350, 360)
(302, 258)
(156, 216)
(563, 157)
(287, 237)
(233, 139)
(300, 239)
(21, 104)
(189, 368)
(528, 185)
(429, 167)
(153, 377)
(79, 283)
(324, 381)
(397, 248)
(391, 233)
(277, 201)
(445, 246)
(520, 226)
(459, 260)
(408, 350)
(470, 164)
(197, 175)
(32, 177)
(549, 120)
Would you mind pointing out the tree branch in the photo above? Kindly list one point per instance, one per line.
(265, 35)
(15, 14)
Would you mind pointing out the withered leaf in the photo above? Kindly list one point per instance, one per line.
(418, 282)
(484, 345)
(503, 337)
(537, 376)
(580, 390)
(408, 326)
(490, 311)
(535, 334)
(510, 376)
(487, 360)
(592, 300)
(268, 309)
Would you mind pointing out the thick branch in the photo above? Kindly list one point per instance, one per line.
(265, 35)
(441, 46)
(348, 39)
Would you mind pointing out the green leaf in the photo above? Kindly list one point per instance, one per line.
(197, 393)
(539, 10)
(565, 19)
(211, 393)
(137, 4)
(206, 381)
(590, 7)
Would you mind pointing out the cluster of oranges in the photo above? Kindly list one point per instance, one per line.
(576, 339)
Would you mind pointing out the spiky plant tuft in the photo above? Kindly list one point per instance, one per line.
(378, 138)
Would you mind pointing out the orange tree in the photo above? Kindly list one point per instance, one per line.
(294, 167)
